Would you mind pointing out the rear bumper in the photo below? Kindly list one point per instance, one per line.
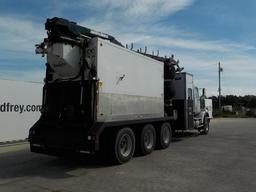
(55, 140)
(59, 145)
(57, 150)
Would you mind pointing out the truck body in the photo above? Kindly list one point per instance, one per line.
(102, 97)
(123, 91)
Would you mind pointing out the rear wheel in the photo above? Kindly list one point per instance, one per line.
(147, 140)
(164, 136)
(123, 146)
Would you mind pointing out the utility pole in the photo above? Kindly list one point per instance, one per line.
(220, 70)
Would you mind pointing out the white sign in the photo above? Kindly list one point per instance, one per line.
(20, 104)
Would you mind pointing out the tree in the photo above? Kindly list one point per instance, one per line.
(248, 101)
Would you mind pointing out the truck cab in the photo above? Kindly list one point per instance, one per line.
(194, 112)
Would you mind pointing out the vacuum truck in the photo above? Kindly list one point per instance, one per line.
(100, 96)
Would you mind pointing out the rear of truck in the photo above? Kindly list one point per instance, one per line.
(92, 83)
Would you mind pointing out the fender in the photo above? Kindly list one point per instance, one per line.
(200, 116)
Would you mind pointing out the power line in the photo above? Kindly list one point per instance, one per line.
(220, 70)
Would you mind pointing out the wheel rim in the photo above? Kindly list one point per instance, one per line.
(166, 134)
(149, 139)
(125, 145)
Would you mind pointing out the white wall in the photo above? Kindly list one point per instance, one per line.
(15, 124)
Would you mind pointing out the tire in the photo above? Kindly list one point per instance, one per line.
(206, 126)
(164, 136)
(147, 140)
(123, 147)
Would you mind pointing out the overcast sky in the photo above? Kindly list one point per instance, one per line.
(200, 33)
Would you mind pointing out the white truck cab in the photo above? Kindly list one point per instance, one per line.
(194, 112)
